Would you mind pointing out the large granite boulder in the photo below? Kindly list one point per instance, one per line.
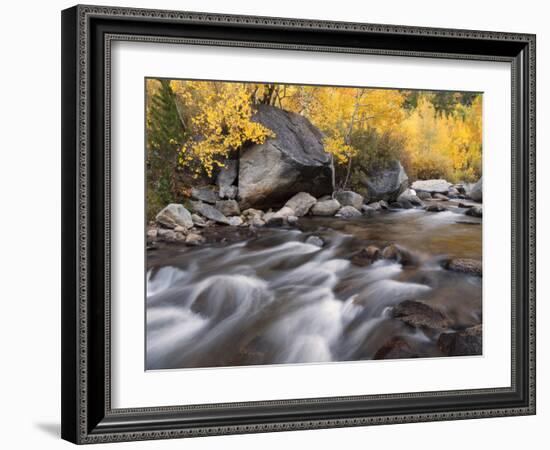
(432, 186)
(476, 191)
(291, 162)
(385, 184)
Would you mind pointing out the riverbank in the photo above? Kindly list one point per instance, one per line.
(189, 224)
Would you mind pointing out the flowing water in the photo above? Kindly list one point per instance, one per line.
(272, 298)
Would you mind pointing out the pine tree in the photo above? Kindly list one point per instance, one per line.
(165, 135)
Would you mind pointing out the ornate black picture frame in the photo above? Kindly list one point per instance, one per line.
(87, 34)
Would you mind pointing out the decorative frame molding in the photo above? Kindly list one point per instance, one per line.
(88, 31)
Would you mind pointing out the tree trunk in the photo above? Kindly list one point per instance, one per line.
(348, 172)
(333, 174)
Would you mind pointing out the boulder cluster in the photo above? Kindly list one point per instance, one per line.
(211, 205)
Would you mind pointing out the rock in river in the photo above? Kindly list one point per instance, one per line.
(368, 211)
(439, 186)
(347, 212)
(410, 196)
(174, 214)
(474, 211)
(366, 256)
(292, 161)
(476, 191)
(464, 265)
(301, 203)
(315, 240)
(209, 212)
(326, 207)
(399, 254)
(194, 239)
(349, 198)
(435, 207)
(418, 314)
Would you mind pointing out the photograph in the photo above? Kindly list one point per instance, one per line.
(292, 223)
(273, 220)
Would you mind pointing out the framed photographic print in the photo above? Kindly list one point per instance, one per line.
(279, 224)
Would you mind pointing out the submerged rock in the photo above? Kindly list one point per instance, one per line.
(292, 161)
(349, 198)
(366, 256)
(399, 254)
(173, 215)
(418, 314)
(301, 203)
(315, 240)
(326, 207)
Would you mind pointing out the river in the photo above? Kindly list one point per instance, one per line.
(269, 297)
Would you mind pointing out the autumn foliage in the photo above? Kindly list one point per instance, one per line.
(434, 134)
